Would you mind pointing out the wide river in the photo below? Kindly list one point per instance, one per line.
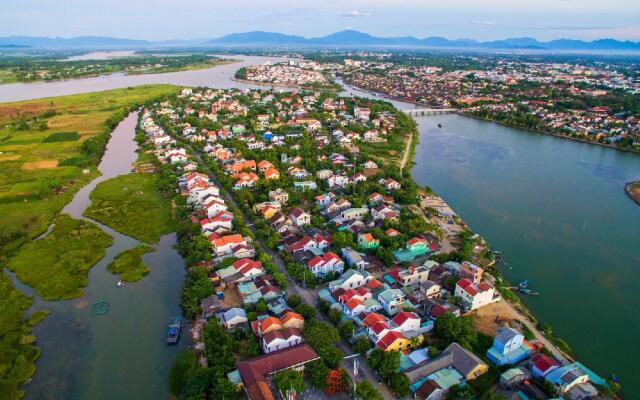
(556, 207)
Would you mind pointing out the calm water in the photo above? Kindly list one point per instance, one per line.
(558, 210)
(121, 354)
(216, 77)
(102, 55)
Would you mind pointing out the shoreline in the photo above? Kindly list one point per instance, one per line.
(277, 85)
(627, 190)
(466, 114)
(518, 308)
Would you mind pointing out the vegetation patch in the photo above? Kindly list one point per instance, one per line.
(62, 137)
(32, 193)
(57, 265)
(129, 264)
(133, 205)
(17, 352)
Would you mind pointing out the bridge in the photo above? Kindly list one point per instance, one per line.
(417, 112)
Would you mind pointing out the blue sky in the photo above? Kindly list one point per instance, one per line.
(182, 19)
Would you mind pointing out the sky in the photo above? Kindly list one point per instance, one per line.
(453, 19)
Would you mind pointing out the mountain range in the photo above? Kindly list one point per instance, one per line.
(346, 38)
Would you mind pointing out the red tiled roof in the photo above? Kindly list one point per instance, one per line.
(255, 370)
(388, 339)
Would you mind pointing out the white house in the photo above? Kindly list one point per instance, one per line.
(475, 295)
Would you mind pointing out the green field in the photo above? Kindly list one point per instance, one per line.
(39, 176)
(129, 263)
(57, 265)
(17, 352)
(133, 205)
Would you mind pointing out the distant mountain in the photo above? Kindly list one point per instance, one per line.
(346, 38)
(260, 37)
(353, 38)
(80, 41)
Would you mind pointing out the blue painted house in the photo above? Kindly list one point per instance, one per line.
(508, 347)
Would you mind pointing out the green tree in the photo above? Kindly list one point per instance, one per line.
(456, 329)
(366, 391)
(457, 392)
(399, 384)
(294, 301)
(307, 311)
(289, 380)
(361, 344)
(182, 367)
(385, 363)
(317, 372)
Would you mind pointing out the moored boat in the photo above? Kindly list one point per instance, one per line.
(173, 331)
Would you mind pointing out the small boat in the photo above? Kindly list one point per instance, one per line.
(523, 287)
(498, 252)
(173, 331)
(440, 125)
(119, 284)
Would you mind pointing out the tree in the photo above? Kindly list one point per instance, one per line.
(385, 363)
(335, 381)
(289, 380)
(307, 311)
(317, 372)
(457, 392)
(294, 301)
(335, 316)
(182, 366)
(399, 384)
(197, 386)
(361, 344)
(197, 286)
(223, 390)
(366, 391)
(346, 329)
(456, 329)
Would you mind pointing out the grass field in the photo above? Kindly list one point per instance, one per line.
(17, 351)
(133, 205)
(57, 265)
(129, 264)
(38, 177)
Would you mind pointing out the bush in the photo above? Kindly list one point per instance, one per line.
(62, 137)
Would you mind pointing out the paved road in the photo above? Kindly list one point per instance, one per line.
(405, 156)
(309, 296)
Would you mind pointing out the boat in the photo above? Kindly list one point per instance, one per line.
(173, 331)
(440, 125)
(523, 287)
(120, 283)
(498, 252)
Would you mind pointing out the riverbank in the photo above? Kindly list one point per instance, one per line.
(282, 86)
(467, 114)
(632, 189)
(548, 133)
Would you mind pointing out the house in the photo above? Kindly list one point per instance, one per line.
(508, 347)
(474, 295)
(245, 180)
(354, 213)
(325, 264)
(340, 181)
(354, 307)
(471, 272)
(233, 318)
(224, 245)
(278, 340)
(392, 300)
(414, 248)
(366, 241)
(351, 279)
(369, 165)
(574, 381)
(404, 321)
(210, 306)
(300, 217)
(389, 183)
(265, 165)
(394, 340)
(541, 365)
(410, 276)
(271, 173)
(279, 195)
(353, 258)
(305, 185)
(513, 377)
(324, 200)
(256, 372)
(382, 212)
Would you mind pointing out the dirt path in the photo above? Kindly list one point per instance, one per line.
(405, 156)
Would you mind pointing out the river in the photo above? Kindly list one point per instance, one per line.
(556, 207)
(558, 210)
(121, 354)
(217, 77)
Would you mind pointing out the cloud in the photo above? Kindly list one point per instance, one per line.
(354, 14)
(485, 23)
